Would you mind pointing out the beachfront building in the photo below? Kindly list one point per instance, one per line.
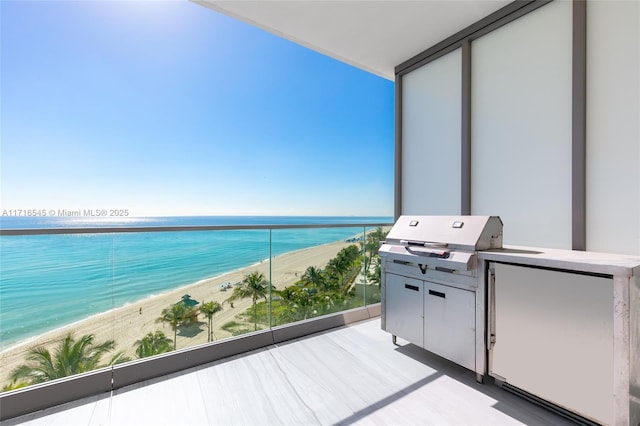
(529, 110)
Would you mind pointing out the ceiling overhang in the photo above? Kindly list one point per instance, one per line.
(371, 35)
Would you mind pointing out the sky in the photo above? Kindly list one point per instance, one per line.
(170, 109)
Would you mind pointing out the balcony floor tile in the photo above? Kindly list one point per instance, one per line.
(350, 375)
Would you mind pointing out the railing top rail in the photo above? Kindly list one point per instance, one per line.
(141, 229)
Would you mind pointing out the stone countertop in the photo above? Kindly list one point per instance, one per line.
(572, 260)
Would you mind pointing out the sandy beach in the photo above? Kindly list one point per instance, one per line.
(130, 323)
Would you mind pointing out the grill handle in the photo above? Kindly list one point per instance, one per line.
(441, 254)
(434, 244)
(411, 287)
(431, 244)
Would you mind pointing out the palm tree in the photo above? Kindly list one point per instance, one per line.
(372, 242)
(153, 344)
(314, 276)
(341, 270)
(371, 247)
(375, 276)
(299, 301)
(13, 385)
(209, 309)
(175, 316)
(255, 286)
(338, 267)
(374, 238)
(70, 357)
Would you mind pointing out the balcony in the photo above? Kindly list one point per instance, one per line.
(348, 375)
(352, 374)
(119, 284)
(313, 364)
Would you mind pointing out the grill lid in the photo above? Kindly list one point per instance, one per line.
(435, 236)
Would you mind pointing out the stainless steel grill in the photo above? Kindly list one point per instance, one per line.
(431, 293)
(449, 242)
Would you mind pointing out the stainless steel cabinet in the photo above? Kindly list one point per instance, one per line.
(436, 317)
(449, 323)
(553, 337)
(405, 308)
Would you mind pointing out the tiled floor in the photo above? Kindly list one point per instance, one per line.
(344, 376)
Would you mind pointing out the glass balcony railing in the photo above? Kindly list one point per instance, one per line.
(77, 299)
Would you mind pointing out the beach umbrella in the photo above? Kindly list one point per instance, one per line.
(188, 301)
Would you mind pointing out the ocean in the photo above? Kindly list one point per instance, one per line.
(48, 281)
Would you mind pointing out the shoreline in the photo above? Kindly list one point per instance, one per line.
(26, 340)
(133, 320)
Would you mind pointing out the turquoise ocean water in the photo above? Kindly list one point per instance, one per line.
(48, 281)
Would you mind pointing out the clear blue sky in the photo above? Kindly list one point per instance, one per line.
(169, 108)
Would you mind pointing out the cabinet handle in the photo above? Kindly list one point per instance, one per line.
(437, 293)
(411, 287)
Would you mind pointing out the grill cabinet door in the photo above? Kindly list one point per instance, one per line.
(404, 308)
(449, 323)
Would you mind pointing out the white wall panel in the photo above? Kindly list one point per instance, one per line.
(431, 133)
(521, 127)
(613, 126)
